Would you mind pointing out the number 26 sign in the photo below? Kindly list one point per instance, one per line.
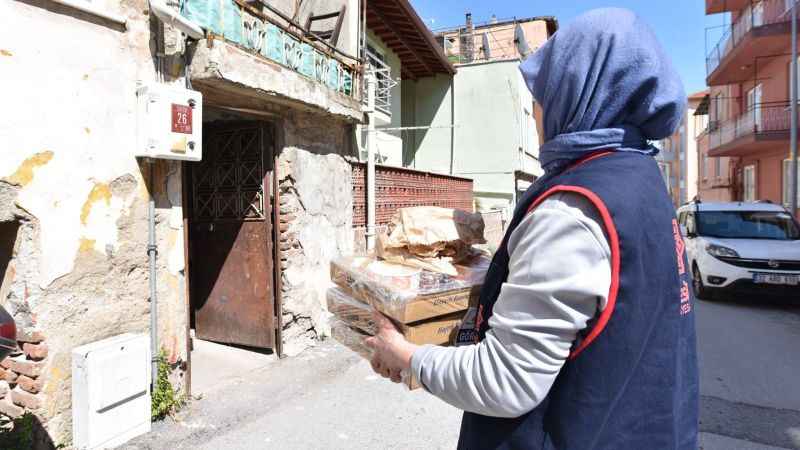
(181, 119)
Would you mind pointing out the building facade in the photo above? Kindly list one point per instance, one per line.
(481, 119)
(748, 109)
(678, 156)
(268, 206)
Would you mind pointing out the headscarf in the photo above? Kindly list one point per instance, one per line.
(603, 82)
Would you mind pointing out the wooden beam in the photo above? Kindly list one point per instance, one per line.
(400, 37)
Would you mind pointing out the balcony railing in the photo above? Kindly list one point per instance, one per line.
(761, 118)
(266, 36)
(384, 83)
(757, 14)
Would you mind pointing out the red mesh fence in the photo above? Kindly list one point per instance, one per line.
(399, 188)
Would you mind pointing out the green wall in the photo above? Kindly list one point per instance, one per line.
(489, 110)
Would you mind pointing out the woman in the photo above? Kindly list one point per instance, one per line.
(585, 326)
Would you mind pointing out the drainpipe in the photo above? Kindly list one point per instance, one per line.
(152, 252)
(370, 232)
(173, 17)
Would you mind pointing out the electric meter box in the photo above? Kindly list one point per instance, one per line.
(110, 391)
(169, 122)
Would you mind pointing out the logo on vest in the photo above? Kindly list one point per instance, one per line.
(686, 307)
(680, 247)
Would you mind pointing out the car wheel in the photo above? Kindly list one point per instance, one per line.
(699, 288)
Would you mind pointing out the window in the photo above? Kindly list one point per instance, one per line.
(754, 105)
(717, 167)
(700, 124)
(777, 225)
(682, 218)
(787, 167)
(704, 165)
(690, 227)
(758, 14)
(749, 183)
(665, 173)
(719, 113)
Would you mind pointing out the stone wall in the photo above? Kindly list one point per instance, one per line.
(315, 192)
(77, 197)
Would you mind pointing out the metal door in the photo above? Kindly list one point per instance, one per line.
(230, 236)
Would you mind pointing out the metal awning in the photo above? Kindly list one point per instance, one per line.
(399, 26)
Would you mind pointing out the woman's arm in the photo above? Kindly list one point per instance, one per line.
(559, 277)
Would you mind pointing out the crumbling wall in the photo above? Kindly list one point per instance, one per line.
(69, 177)
(316, 209)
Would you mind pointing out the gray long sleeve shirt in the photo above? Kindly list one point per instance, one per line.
(559, 278)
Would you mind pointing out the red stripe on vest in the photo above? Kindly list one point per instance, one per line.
(613, 241)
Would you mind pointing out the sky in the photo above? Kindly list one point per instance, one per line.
(679, 24)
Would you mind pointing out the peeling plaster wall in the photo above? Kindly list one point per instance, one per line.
(67, 125)
(316, 206)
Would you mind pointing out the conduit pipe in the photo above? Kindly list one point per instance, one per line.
(370, 231)
(152, 253)
(172, 17)
(90, 8)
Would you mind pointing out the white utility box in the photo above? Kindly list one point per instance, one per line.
(169, 123)
(110, 391)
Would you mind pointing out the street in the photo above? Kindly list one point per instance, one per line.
(328, 398)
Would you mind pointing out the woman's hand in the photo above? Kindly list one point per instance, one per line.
(392, 351)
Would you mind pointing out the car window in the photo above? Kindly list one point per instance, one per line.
(690, 226)
(682, 218)
(748, 225)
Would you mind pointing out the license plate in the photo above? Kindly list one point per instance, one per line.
(776, 278)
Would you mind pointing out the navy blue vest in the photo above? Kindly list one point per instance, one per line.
(631, 380)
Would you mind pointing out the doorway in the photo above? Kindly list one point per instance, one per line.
(230, 235)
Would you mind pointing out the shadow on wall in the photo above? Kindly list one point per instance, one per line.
(28, 433)
(72, 12)
(430, 96)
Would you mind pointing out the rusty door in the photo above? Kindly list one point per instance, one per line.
(230, 236)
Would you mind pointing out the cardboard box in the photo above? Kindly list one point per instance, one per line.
(406, 305)
(437, 331)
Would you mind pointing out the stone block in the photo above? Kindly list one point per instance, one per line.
(4, 388)
(9, 376)
(35, 351)
(9, 409)
(32, 335)
(29, 384)
(25, 399)
(23, 366)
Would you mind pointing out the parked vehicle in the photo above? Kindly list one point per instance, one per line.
(742, 249)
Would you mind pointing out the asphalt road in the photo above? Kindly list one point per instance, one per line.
(328, 398)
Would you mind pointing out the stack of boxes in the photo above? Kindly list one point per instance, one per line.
(427, 307)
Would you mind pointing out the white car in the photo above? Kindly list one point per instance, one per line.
(749, 250)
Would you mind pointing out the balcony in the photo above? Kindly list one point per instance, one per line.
(718, 6)
(762, 29)
(253, 56)
(761, 127)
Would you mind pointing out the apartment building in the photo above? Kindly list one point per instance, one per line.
(678, 158)
(745, 150)
(486, 93)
